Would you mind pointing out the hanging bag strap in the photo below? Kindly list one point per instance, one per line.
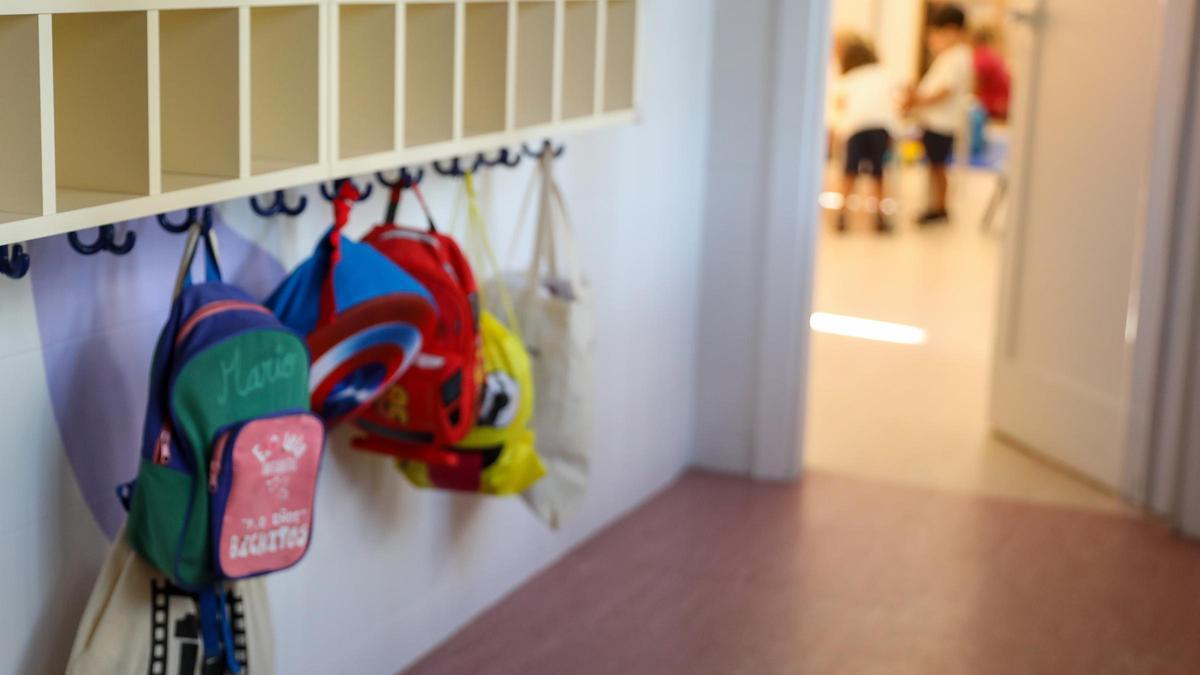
(393, 205)
(550, 238)
(480, 234)
(456, 228)
(522, 216)
(397, 195)
(543, 240)
(553, 227)
(347, 196)
(565, 228)
(215, 630)
(202, 228)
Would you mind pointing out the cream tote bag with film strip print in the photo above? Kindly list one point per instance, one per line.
(136, 621)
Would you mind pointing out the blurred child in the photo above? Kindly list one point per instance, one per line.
(941, 101)
(865, 100)
(993, 84)
(841, 40)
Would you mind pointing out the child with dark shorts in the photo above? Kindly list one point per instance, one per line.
(865, 100)
(942, 99)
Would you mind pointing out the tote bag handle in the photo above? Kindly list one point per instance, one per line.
(550, 230)
(566, 227)
(522, 217)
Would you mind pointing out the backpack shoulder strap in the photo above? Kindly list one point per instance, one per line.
(215, 630)
(200, 229)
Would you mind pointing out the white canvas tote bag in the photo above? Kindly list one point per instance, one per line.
(137, 621)
(553, 306)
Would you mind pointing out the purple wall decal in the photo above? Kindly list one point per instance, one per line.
(99, 317)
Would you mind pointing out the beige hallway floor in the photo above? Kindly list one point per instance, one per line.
(918, 414)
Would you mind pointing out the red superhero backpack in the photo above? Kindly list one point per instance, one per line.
(433, 404)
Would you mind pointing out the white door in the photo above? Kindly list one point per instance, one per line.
(1084, 104)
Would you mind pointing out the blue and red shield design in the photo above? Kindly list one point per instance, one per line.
(363, 353)
(364, 318)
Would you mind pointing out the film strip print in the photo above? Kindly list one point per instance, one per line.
(237, 620)
(183, 634)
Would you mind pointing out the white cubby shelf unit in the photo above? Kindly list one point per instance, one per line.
(118, 109)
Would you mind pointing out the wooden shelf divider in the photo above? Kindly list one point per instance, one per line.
(119, 109)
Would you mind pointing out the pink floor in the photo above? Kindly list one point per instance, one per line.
(840, 575)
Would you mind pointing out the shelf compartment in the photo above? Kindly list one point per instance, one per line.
(535, 63)
(20, 119)
(485, 69)
(429, 73)
(285, 56)
(620, 53)
(101, 108)
(579, 59)
(199, 85)
(366, 80)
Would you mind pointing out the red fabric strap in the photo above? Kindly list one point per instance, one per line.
(347, 195)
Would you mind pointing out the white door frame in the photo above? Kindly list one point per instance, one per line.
(792, 221)
(790, 240)
(1168, 435)
(1155, 391)
(1175, 478)
(766, 144)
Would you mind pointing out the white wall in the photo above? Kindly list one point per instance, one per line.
(393, 571)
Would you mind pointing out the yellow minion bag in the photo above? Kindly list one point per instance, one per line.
(498, 456)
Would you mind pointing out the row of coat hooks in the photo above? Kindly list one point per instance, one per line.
(14, 259)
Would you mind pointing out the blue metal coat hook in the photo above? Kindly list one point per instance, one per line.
(278, 206)
(503, 159)
(456, 170)
(14, 261)
(177, 228)
(201, 214)
(453, 171)
(105, 241)
(547, 146)
(406, 179)
(363, 193)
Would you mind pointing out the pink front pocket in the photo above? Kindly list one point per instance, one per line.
(263, 478)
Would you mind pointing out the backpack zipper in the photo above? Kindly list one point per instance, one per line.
(162, 446)
(214, 467)
(214, 308)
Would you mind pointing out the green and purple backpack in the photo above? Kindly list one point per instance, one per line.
(230, 450)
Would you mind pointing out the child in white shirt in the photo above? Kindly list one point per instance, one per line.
(941, 101)
(865, 102)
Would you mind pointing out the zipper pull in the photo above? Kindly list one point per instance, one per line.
(214, 467)
(162, 449)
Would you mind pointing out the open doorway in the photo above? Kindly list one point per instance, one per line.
(909, 292)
